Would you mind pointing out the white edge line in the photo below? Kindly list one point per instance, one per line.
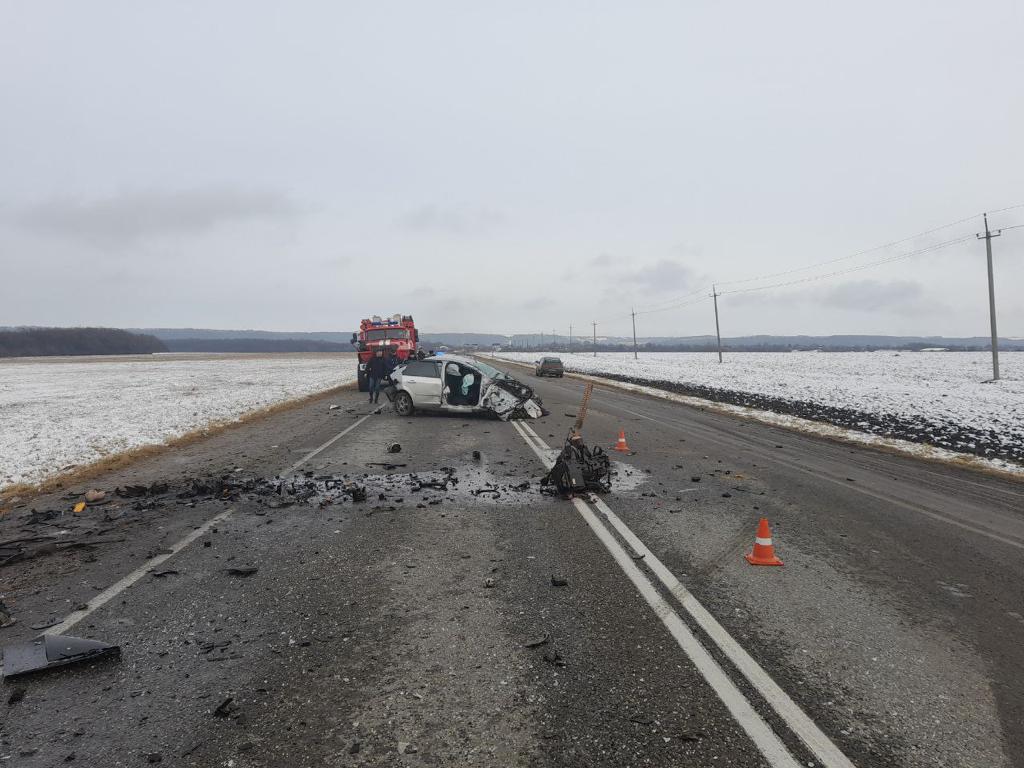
(797, 720)
(767, 742)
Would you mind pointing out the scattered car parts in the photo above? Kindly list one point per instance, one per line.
(579, 469)
(49, 651)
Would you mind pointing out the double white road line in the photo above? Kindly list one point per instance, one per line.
(603, 521)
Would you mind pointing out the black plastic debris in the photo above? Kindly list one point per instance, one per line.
(227, 708)
(6, 620)
(137, 491)
(552, 656)
(242, 570)
(49, 651)
(578, 469)
(394, 448)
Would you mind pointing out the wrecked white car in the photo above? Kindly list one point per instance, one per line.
(460, 385)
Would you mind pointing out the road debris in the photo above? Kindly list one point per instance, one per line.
(559, 581)
(578, 469)
(49, 651)
(227, 708)
(537, 642)
(242, 570)
(552, 656)
(94, 496)
(394, 448)
(5, 616)
(137, 491)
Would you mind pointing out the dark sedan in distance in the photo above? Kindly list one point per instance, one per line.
(550, 366)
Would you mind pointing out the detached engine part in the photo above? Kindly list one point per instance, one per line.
(579, 469)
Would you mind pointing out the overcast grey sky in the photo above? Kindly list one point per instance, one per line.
(508, 167)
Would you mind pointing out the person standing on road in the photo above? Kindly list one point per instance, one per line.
(376, 369)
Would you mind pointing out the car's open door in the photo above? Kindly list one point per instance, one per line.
(422, 380)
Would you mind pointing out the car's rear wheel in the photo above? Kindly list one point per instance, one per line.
(403, 404)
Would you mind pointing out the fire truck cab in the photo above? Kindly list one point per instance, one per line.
(395, 334)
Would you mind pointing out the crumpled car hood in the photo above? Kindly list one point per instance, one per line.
(511, 399)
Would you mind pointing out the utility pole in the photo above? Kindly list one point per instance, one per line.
(570, 338)
(595, 337)
(718, 333)
(542, 339)
(992, 297)
(633, 312)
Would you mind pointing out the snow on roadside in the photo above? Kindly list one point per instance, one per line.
(936, 398)
(58, 413)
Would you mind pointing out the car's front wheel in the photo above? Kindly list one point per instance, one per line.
(403, 404)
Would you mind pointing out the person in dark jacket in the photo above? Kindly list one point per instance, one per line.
(376, 370)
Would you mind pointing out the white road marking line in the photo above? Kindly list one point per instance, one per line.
(326, 445)
(767, 742)
(795, 718)
(120, 586)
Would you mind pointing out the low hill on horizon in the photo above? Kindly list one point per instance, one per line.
(763, 342)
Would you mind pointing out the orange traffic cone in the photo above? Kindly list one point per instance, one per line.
(763, 552)
(621, 445)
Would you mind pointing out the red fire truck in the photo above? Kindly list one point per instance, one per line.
(396, 333)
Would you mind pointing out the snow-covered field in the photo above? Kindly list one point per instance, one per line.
(59, 412)
(934, 397)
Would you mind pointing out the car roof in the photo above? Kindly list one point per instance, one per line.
(444, 358)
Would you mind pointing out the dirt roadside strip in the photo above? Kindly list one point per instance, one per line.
(1001, 469)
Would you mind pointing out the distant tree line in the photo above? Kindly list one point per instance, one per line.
(42, 342)
(255, 345)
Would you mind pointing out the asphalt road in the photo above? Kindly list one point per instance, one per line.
(403, 630)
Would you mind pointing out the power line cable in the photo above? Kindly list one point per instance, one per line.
(852, 255)
(858, 268)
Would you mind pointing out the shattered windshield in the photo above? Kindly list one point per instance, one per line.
(489, 371)
(387, 333)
